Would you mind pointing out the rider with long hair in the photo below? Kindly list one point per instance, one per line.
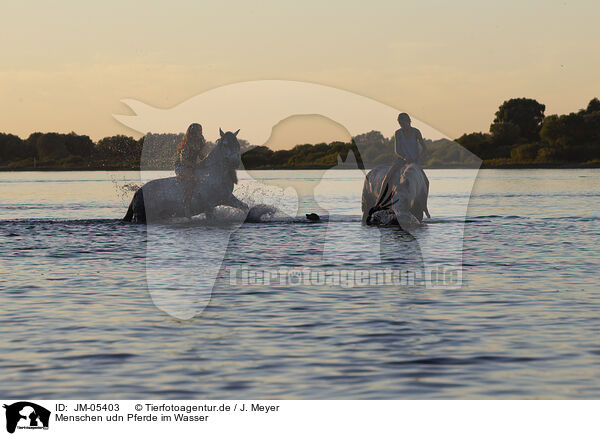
(190, 148)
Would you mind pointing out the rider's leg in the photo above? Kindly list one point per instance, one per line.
(190, 181)
(425, 208)
(187, 209)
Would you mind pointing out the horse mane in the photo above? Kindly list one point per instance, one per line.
(231, 145)
(233, 175)
(234, 145)
(409, 167)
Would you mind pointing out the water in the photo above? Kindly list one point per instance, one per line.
(79, 319)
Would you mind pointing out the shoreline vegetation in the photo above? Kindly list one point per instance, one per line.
(520, 136)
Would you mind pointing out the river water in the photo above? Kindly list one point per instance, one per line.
(92, 307)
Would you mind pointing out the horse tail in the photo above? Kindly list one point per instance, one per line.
(367, 201)
(129, 215)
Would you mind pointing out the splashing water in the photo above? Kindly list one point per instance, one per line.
(255, 193)
(124, 188)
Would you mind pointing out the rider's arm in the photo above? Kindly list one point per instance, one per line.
(190, 153)
(185, 155)
(421, 143)
(397, 149)
(200, 153)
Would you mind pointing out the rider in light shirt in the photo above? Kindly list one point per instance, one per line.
(409, 141)
(409, 147)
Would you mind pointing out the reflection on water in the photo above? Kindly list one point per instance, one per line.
(78, 319)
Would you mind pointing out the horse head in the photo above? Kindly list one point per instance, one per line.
(229, 141)
(224, 158)
(228, 148)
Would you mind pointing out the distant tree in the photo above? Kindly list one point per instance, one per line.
(554, 130)
(519, 132)
(119, 147)
(478, 143)
(12, 148)
(281, 157)
(592, 126)
(54, 147)
(304, 154)
(593, 105)
(505, 133)
(159, 149)
(50, 146)
(372, 138)
(574, 137)
(79, 145)
(525, 113)
(564, 130)
(257, 157)
(548, 154)
(524, 152)
(375, 149)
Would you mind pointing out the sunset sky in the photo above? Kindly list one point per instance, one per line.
(66, 65)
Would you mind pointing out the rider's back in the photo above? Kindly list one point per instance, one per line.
(407, 144)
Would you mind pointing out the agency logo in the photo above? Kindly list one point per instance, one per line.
(185, 262)
(26, 415)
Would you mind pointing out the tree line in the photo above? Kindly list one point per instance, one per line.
(519, 135)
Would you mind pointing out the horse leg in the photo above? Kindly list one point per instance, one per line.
(417, 211)
(424, 206)
(368, 201)
(138, 208)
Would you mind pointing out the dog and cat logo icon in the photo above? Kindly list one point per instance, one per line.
(26, 415)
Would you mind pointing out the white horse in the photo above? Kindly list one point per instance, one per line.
(164, 198)
(399, 195)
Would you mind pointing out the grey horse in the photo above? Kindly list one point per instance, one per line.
(161, 199)
(396, 196)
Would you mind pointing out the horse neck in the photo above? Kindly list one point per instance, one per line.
(216, 161)
(412, 172)
(215, 157)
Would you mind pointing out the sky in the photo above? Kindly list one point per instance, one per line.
(67, 65)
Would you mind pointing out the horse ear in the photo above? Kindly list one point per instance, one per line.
(236, 132)
(221, 132)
